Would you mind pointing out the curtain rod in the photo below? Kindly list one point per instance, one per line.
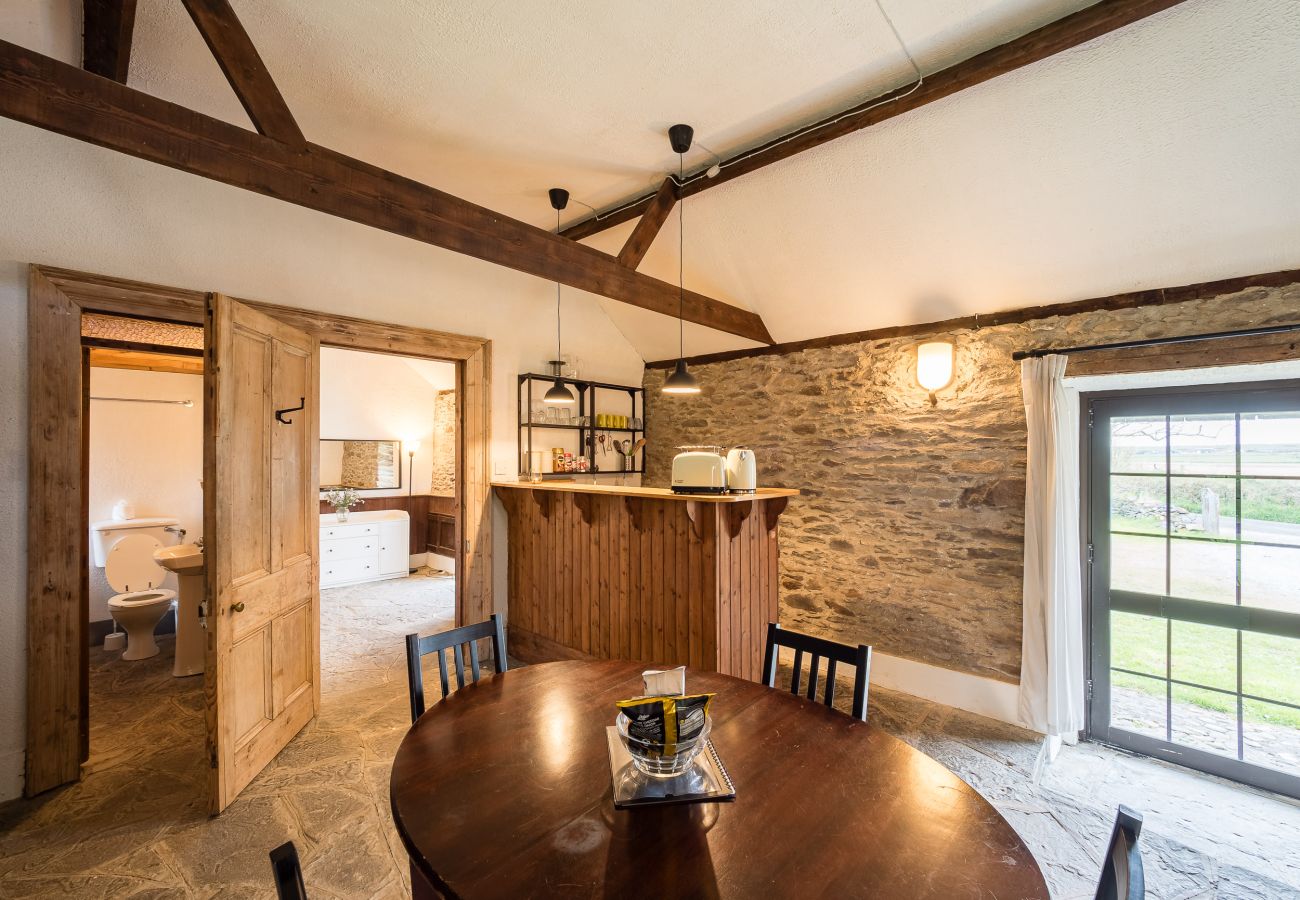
(1154, 342)
(185, 403)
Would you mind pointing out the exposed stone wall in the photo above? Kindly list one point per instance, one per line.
(443, 483)
(909, 533)
(360, 464)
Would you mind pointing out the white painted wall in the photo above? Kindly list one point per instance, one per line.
(148, 454)
(373, 396)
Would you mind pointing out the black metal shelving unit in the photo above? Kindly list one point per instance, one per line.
(587, 406)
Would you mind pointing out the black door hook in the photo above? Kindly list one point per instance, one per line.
(279, 413)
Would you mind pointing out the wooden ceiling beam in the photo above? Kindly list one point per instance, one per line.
(1042, 43)
(106, 30)
(639, 241)
(244, 69)
(52, 95)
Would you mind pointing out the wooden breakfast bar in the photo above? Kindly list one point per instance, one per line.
(604, 572)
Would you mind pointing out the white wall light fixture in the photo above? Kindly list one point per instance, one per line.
(934, 366)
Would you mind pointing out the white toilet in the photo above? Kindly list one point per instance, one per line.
(125, 550)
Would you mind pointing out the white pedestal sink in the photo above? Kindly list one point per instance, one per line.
(186, 560)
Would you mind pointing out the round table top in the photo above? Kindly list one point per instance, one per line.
(503, 790)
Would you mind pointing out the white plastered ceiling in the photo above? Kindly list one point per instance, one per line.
(1162, 154)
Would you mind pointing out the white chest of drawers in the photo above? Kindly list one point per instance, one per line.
(369, 546)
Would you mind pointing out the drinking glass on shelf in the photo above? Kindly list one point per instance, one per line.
(636, 424)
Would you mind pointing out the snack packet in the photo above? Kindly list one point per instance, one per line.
(664, 722)
(652, 720)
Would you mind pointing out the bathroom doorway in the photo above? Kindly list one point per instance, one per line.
(59, 545)
(144, 458)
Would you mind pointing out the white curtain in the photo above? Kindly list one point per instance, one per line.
(1051, 668)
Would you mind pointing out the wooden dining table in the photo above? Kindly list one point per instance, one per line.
(503, 790)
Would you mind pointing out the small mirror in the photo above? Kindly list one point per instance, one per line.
(361, 465)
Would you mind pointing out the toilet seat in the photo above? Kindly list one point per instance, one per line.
(142, 599)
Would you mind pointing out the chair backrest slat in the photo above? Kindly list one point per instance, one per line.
(287, 872)
(456, 640)
(1122, 877)
(830, 681)
(819, 648)
(442, 671)
(812, 676)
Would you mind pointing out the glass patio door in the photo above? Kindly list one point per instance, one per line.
(1194, 544)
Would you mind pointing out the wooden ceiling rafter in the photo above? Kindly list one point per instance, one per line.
(1055, 37)
(244, 69)
(647, 228)
(41, 91)
(107, 27)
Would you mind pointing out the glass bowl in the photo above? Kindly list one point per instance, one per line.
(648, 758)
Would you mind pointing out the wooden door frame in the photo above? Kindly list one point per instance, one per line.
(57, 489)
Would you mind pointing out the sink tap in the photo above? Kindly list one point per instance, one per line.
(178, 531)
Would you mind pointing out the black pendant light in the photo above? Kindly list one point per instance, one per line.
(681, 381)
(558, 394)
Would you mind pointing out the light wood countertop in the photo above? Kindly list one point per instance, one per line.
(644, 493)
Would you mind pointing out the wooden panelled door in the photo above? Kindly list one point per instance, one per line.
(261, 524)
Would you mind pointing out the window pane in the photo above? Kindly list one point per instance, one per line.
(1137, 503)
(1206, 720)
(1204, 507)
(1137, 444)
(1137, 564)
(1270, 511)
(1270, 577)
(1270, 443)
(1272, 736)
(1203, 445)
(1138, 704)
(1200, 570)
(1204, 654)
(1137, 643)
(1270, 667)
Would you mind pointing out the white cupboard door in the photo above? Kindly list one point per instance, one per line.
(262, 524)
(394, 546)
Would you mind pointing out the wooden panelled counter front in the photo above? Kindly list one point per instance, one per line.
(600, 572)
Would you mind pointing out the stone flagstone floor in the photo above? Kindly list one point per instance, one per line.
(136, 825)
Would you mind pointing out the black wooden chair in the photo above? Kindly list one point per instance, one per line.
(288, 872)
(456, 639)
(1121, 873)
(859, 656)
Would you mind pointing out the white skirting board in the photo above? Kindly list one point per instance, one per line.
(982, 696)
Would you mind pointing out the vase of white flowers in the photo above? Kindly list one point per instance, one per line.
(342, 501)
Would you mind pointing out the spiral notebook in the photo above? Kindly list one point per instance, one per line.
(706, 781)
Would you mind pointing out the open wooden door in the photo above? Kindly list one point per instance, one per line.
(261, 525)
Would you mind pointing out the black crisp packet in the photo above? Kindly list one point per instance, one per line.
(665, 722)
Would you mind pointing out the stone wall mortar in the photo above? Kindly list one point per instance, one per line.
(909, 534)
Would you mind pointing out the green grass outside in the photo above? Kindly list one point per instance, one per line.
(1208, 655)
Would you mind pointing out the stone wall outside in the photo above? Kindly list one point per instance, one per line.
(909, 533)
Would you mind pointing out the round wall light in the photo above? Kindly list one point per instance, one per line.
(934, 366)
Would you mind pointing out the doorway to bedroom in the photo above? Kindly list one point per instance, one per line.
(1194, 536)
(388, 531)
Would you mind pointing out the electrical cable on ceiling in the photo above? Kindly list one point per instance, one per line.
(716, 169)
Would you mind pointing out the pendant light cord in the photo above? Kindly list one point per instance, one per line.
(681, 265)
(557, 304)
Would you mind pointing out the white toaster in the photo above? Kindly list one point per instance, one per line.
(699, 472)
